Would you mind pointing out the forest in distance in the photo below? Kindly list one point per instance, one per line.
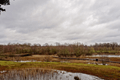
(61, 50)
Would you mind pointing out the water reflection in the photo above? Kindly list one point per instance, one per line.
(104, 56)
(41, 74)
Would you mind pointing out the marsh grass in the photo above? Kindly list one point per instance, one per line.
(105, 72)
(28, 74)
(44, 74)
(47, 59)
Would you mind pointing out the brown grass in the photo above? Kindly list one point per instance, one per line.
(49, 58)
(105, 72)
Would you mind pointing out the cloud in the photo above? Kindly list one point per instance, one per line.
(50, 21)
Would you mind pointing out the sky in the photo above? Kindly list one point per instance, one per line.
(62, 21)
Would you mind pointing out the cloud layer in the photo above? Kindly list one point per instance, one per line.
(63, 21)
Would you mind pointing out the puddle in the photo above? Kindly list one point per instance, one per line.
(40, 74)
(27, 61)
(98, 64)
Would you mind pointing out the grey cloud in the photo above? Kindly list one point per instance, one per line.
(107, 10)
(42, 21)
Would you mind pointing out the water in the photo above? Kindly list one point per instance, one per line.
(41, 74)
(104, 56)
(27, 61)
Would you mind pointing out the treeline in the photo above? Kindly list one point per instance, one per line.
(64, 50)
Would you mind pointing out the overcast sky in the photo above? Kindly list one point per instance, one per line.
(63, 21)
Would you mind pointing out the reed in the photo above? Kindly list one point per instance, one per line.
(34, 74)
(105, 72)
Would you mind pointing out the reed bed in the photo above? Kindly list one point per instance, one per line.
(105, 72)
(29, 74)
(43, 74)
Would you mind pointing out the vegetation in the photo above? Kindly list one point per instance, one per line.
(62, 50)
(4, 2)
(105, 72)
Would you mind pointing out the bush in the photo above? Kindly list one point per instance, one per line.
(47, 59)
(104, 59)
(79, 52)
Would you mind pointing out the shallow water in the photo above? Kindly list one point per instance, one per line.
(27, 61)
(104, 56)
(40, 74)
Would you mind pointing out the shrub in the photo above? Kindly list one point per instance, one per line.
(47, 59)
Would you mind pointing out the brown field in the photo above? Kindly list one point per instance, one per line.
(49, 58)
(102, 71)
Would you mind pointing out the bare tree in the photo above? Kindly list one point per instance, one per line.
(4, 2)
